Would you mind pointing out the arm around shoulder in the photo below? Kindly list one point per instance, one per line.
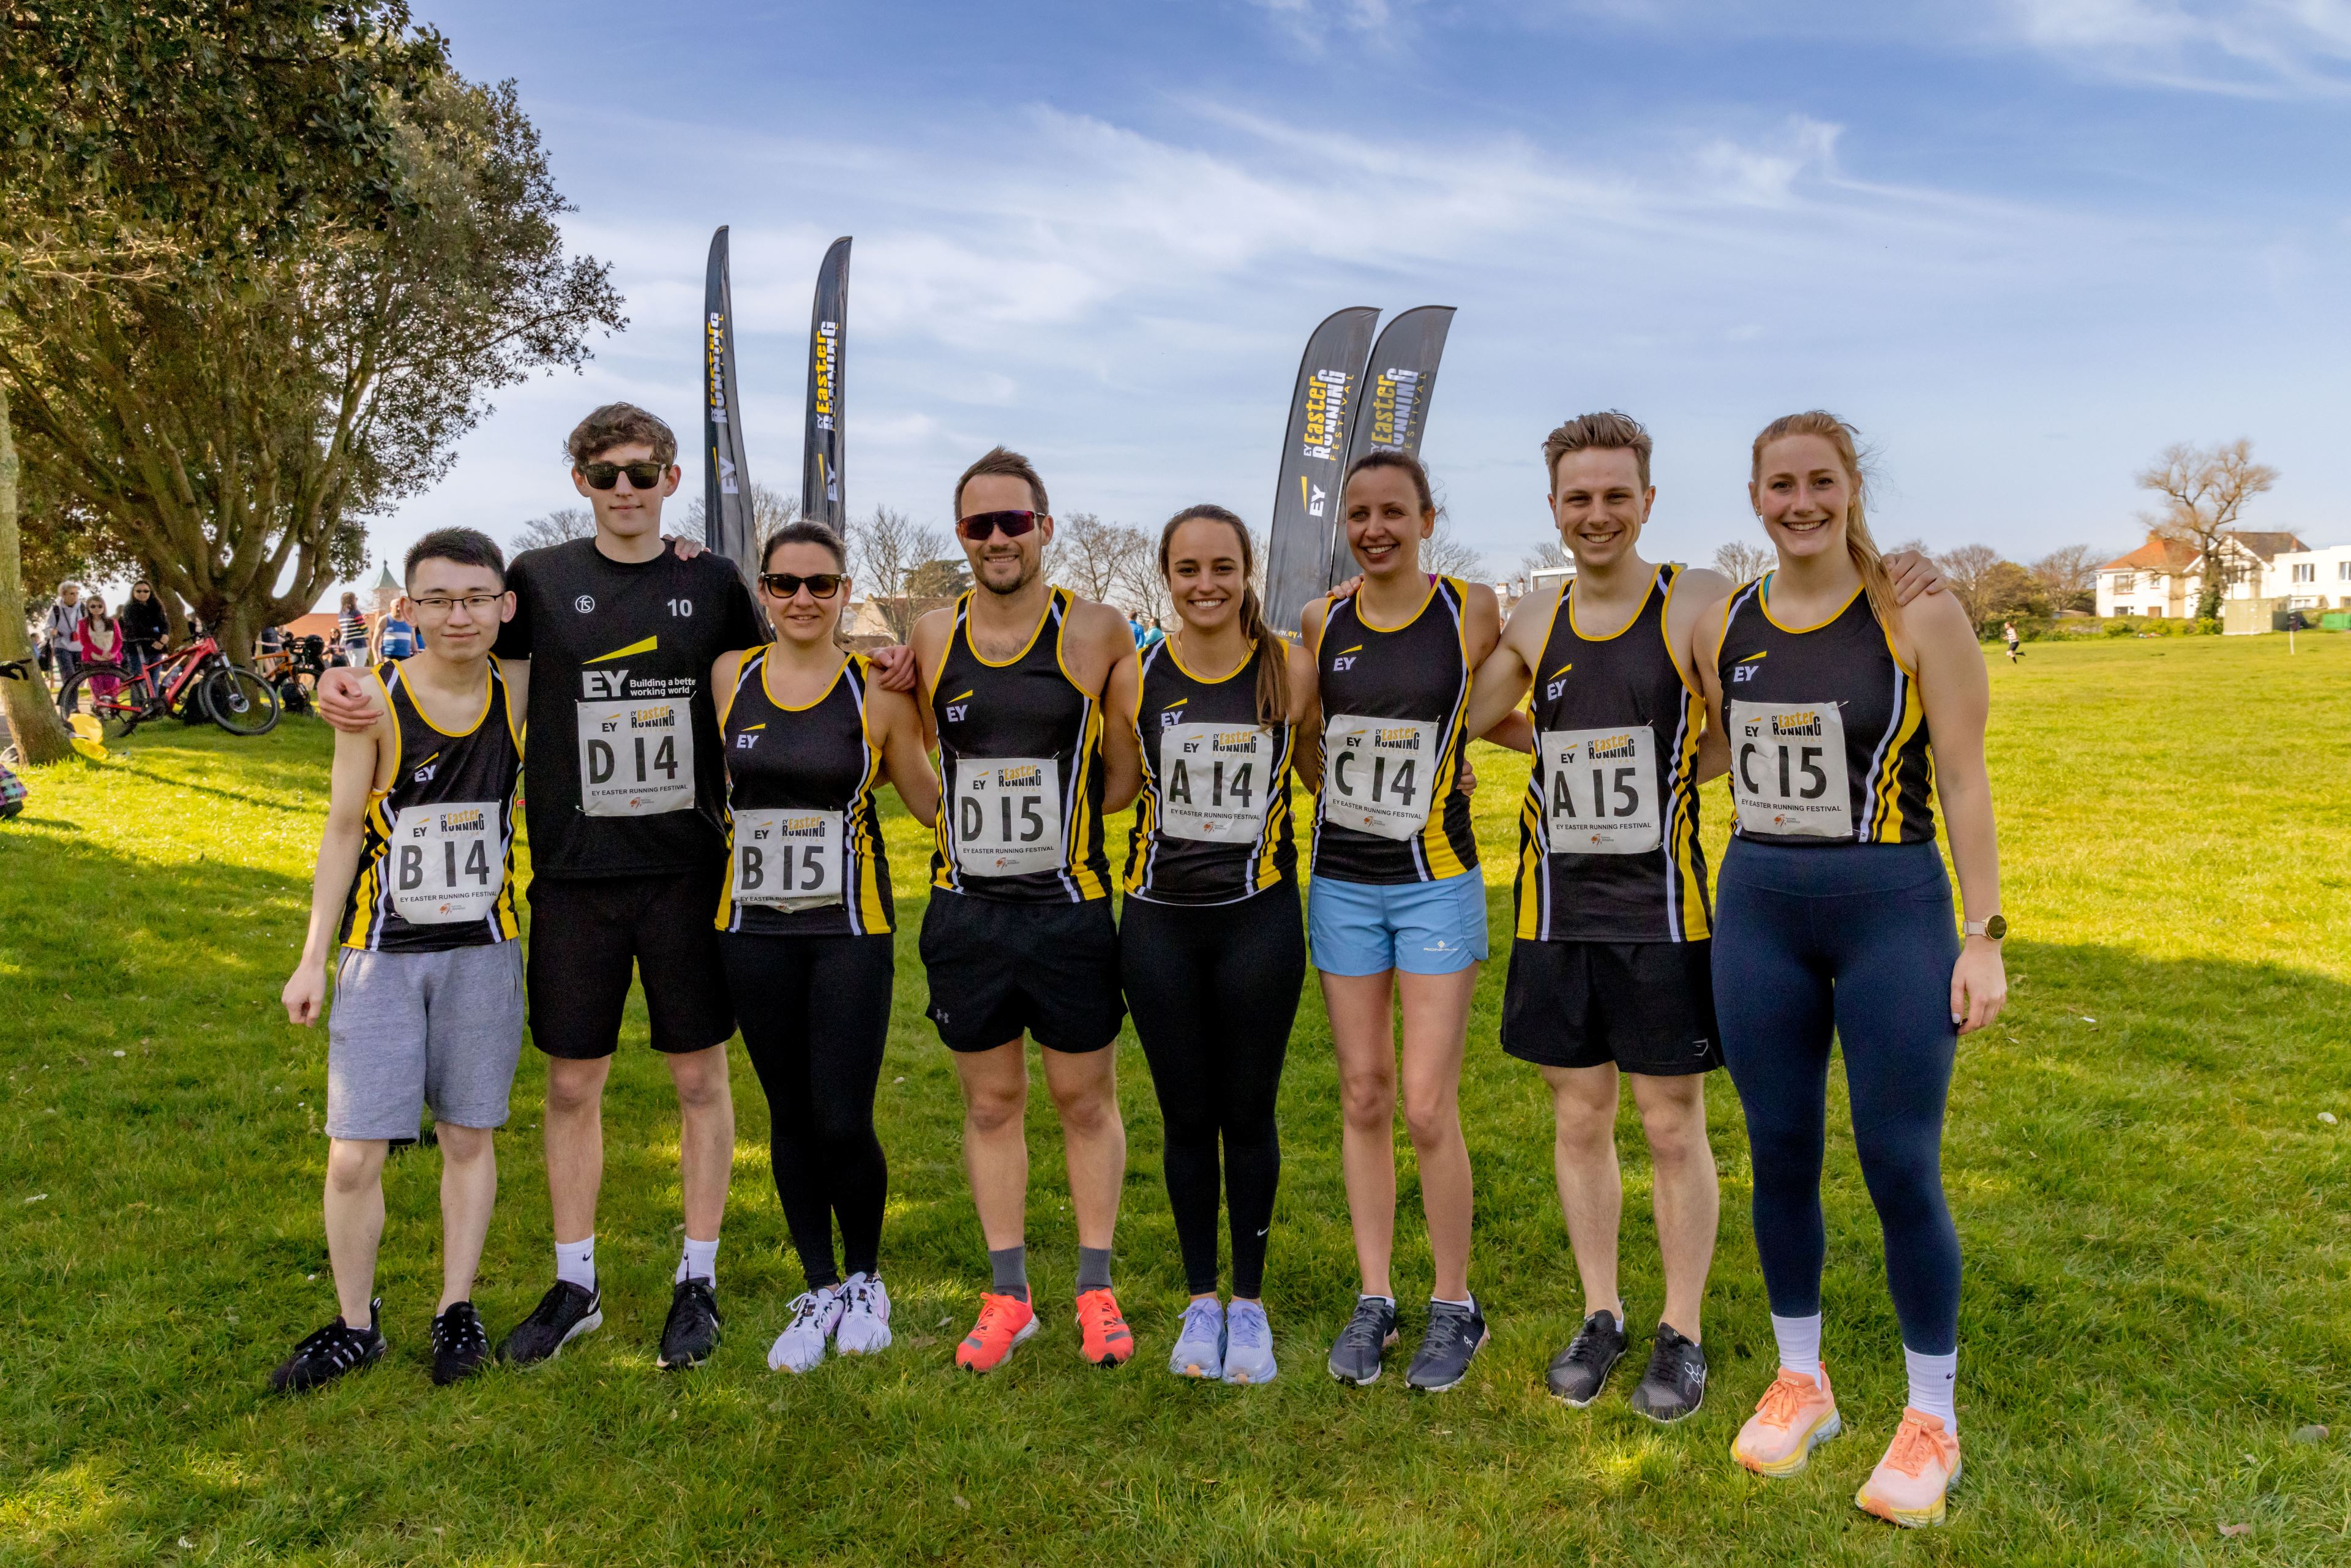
(895, 721)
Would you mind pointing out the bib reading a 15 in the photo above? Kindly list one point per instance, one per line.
(1787, 769)
(447, 864)
(1601, 793)
(1008, 815)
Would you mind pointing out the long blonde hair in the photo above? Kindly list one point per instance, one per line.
(1859, 544)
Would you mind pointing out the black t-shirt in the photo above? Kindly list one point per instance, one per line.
(623, 776)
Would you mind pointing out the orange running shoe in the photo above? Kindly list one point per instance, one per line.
(1004, 1321)
(1794, 1417)
(1109, 1341)
(1908, 1485)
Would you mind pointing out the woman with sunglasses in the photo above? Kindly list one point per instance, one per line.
(805, 921)
(1212, 953)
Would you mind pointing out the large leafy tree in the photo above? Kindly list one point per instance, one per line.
(144, 144)
(238, 429)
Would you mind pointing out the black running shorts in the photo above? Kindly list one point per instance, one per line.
(999, 968)
(1648, 1007)
(588, 934)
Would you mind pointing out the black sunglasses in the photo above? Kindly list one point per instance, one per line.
(784, 584)
(1012, 524)
(604, 475)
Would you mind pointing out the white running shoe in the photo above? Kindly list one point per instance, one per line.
(1248, 1343)
(1200, 1341)
(864, 1326)
(801, 1347)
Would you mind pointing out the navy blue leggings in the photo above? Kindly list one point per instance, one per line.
(1859, 939)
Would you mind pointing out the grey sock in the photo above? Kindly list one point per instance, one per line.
(1011, 1267)
(1093, 1269)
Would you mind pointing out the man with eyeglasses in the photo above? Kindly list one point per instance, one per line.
(1030, 693)
(624, 789)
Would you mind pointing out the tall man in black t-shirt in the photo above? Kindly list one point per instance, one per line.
(612, 638)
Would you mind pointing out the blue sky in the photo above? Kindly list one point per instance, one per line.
(2023, 244)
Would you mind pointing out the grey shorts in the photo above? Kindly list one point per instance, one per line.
(410, 1029)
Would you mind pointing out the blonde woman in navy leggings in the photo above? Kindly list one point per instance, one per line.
(1848, 717)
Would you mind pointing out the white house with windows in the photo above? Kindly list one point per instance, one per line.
(2164, 579)
(2310, 578)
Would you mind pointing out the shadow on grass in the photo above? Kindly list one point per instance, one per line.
(2149, 1203)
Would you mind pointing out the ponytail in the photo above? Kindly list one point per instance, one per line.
(1272, 671)
(1876, 581)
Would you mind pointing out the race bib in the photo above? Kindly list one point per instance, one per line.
(448, 862)
(636, 758)
(1007, 816)
(1379, 774)
(1602, 790)
(1787, 769)
(1213, 779)
(790, 859)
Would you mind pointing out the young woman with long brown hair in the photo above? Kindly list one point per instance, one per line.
(1212, 952)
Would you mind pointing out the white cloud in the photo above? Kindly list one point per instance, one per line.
(2247, 47)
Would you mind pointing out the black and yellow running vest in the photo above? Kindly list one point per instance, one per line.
(1212, 822)
(437, 848)
(1608, 834)
(1020, 756)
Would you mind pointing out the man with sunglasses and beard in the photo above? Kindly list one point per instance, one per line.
(1030, 693)
(625, 795)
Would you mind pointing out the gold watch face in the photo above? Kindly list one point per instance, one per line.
(1996, 927)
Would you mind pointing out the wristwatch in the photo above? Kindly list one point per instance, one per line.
(1995, 927)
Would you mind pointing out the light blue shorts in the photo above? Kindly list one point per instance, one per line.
(1420, 927)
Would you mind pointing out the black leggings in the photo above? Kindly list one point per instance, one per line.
(815, 1011)
(1213, 992)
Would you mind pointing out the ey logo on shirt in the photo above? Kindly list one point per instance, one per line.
(958, 707)
(1346, 660)
(1745, 669)
(1557, 686)
(1168, 716)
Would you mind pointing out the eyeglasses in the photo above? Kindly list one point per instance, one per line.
(475, 604)
(603, 475)
(1012, 524)
(784, 584)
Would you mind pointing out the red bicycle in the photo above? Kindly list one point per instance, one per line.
(193, 683)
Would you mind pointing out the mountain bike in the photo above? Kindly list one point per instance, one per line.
(193, 683)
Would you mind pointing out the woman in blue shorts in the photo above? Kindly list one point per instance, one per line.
(1397, 910)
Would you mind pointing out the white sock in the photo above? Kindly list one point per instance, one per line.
(1933, 1379)
(700, 1261)
(1466, 1302)
(1799, 1343)
(576, 1261)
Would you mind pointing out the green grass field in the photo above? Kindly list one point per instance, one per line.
(2155, 1218)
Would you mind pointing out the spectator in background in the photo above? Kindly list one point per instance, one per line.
(1152, 633)
(1135, 625)
(2009, 634)
(145, 628)
(395, 637)
(61, 632)
(99, 641)
(351, 632)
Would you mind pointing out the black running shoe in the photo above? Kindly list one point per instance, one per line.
(1577, 1374)
(461, 1345)
(1355, 1358)
(692, 1332)
(1675, 1385)
(331, 1352)
(1455, 1334)
(562, 1315)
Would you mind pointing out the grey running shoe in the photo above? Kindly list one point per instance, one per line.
(692, 1332)
(1200, 1341)
(1355, 1358)
(1675, 1385)
(1455, 1335)
(331, 1352)
(461, 1346)
(1578, 1372)
(1249, 1345)
(562, 1315)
